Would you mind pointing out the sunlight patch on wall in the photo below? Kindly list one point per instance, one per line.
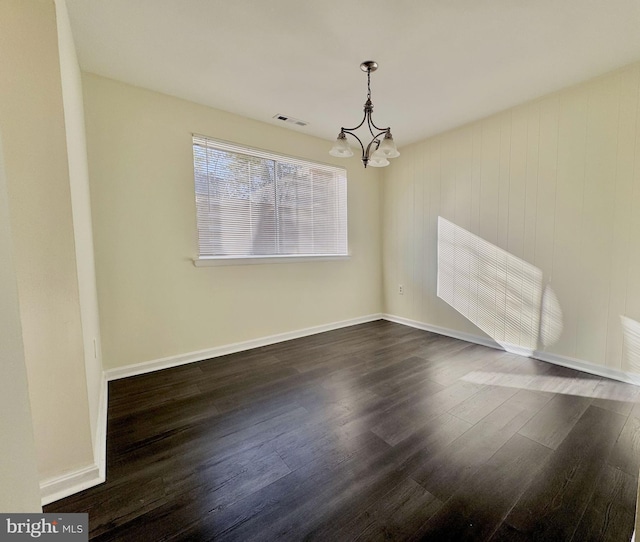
(550, 317)
(495, 290)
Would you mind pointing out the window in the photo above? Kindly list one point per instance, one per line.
(256, 204)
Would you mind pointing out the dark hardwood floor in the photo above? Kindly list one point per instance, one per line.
(372, 432)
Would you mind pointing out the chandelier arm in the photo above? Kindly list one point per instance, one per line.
(378, 127)
(370, 124)
(359, 125)
(374, 140)
(346, 131)
(367, 153)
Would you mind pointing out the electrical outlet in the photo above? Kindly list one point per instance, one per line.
(400, 289)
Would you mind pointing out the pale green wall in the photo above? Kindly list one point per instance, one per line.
(555, 182)
(153, 302)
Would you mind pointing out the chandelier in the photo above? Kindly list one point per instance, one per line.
(378, 151)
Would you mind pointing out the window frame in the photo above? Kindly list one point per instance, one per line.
(204, 260)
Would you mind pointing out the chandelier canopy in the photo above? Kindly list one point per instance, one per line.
(379, 149)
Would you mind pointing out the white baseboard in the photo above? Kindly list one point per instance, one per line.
(549, 357)
(586, 367)
(191, 357)
(484, 341)
(59, 487)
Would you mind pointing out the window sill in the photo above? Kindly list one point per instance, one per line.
(253, 260)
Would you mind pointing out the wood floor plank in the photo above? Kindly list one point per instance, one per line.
(401, 422)
(551, 506)
(372, 375)
(444, 472)
(482, 403)
(255, 379)
(408, 383)
(237, 397)
(111, 506)
(626, 452)
(609, 516)
(124, 388)
(184, 449)
(516, 411)
(153, 397)
(556, 419)
(391, 472)
(328, 490)
(457, 365)
(373, 432)
(249, 518)
(329, 444)
(509, 370)
(396, 516)
(616, 396)
(442, 349)
(228, 478)
(434, 437)
(478, 507)
(161, 419)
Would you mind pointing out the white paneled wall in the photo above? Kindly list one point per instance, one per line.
(555, 182)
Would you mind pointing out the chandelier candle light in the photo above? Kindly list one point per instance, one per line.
(378, 151)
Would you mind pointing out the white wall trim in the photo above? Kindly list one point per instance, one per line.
(298, 258)
(586, 367)
(556, 359)
(191, 357)
(58, 487)
(100, 451)
(484, 341)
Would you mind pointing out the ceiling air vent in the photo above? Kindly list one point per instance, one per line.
(290, 120)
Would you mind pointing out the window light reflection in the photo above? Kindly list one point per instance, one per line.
(495, 290)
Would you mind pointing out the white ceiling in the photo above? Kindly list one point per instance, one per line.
(442, 62)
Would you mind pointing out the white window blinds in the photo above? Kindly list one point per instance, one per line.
(253, 203)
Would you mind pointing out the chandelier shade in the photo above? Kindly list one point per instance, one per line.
(378, 160)
(341, 148)
(381, 147)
